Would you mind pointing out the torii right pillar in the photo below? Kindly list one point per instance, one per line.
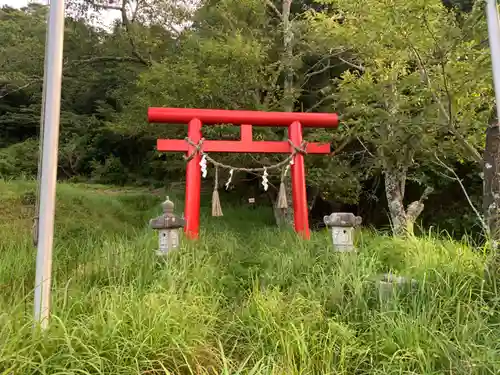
(299, 194)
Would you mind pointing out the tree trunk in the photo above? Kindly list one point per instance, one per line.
(402, 220)
(395, 181)
(491, 183)
(284, 217)
(288, 36)
(491, 198)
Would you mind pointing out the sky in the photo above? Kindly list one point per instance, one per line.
(107, 20)
(19, 3)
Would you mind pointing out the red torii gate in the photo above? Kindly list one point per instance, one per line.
(195, 118)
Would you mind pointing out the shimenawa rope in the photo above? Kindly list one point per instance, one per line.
(216, 206)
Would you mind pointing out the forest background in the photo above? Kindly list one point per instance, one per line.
(411, 81)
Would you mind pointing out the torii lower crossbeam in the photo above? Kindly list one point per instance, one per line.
(195, 117)
(245, 145)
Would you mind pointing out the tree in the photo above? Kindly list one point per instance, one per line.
(91, 88)
(234, 56)
(413, 89)
(146, 27)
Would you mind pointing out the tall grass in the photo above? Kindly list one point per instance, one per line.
(245, 299)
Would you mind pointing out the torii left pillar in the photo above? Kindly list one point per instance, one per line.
(195, 118)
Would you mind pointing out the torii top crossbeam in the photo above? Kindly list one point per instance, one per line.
(256, 118)
(195, 118)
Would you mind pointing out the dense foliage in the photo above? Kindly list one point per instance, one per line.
(411, 79)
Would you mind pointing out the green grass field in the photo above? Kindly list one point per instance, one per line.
(245, 299)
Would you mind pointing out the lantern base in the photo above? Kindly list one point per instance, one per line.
(345, 249)
(161, 253)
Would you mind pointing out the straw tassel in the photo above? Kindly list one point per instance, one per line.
(216, 207)
(282, 201)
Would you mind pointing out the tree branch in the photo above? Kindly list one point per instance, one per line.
(351, 64)
(442, 63)
(320, 61)
(20, 88)
(415, 208)
(461, 139)
(104, 6)
(456, 178)
(104, 59)
(126, 23)
(273, 7)
(308, 76)
(366, 148)
(320, 102)
(341, 147)
(66, 66)
(134, 12)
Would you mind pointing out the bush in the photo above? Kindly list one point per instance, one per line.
(19, 159)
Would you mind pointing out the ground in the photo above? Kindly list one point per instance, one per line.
(245, 299)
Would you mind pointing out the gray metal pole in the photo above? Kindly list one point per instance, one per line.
(52, 108)
(494, 38)
(40, 141)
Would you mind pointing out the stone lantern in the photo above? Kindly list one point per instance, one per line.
(342, 226)
(169, 227)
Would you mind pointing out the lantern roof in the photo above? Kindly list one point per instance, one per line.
(168, 220)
